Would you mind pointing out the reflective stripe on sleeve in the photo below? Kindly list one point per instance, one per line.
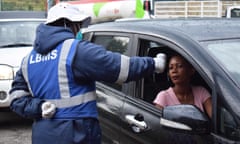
(124, 70)
(18, 94)
(25, 71)
(73, 101)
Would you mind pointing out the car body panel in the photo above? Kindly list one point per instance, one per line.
(110, 106)
(139, 120)
(199, 29)
(18, 53)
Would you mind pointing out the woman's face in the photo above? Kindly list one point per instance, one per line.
(180, 72)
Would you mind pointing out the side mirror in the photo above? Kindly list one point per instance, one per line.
(185, 118)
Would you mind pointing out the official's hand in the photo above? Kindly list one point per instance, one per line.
(160, 62)
(48, 109)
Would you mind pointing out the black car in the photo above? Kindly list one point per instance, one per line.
(126, 111)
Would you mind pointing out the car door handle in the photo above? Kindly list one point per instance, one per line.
(137, 125)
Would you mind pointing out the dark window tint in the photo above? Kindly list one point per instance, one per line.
(115, 44)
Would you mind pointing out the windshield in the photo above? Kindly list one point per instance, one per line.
(17, 33)
(235, 12)
(227, 54)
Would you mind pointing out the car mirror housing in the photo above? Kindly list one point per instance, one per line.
(185, 118)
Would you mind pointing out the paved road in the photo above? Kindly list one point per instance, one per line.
(15, 131)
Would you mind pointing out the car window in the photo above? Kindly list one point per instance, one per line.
(153, 84)
(235, 12)
(114, 44)
(227, 54)
(14, 33)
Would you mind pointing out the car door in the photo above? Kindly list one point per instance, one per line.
(126, 112)
(109, 103)
(141, 123)
(110, 96)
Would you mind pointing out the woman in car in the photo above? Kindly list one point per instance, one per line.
(180, 73)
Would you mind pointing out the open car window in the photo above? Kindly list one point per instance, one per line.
(155, 83)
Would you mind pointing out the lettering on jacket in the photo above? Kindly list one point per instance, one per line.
(42, 58)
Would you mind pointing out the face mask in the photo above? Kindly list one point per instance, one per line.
(79, 35)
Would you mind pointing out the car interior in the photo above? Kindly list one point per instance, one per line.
(158, 82)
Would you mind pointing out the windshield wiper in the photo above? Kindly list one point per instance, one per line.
(16, 45)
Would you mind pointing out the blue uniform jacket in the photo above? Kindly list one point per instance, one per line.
(91, 63)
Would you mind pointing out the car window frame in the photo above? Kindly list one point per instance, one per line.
(174, 46)
(100, 33)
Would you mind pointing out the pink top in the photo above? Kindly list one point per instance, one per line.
(168, 97)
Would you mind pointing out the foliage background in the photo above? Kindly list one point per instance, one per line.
(28, 5)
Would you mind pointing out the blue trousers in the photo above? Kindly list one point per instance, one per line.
(80, 131)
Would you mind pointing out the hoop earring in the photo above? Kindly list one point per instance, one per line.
(168, 79)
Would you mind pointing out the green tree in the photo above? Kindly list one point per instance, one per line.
(27, 5)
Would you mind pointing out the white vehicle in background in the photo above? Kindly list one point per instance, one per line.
(233, 12)
(17, 34)
(110, 10)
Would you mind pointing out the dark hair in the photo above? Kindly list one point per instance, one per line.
(170, 56)
(63, 22)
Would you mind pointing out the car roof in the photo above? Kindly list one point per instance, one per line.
(22, 14)
(199, 29)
